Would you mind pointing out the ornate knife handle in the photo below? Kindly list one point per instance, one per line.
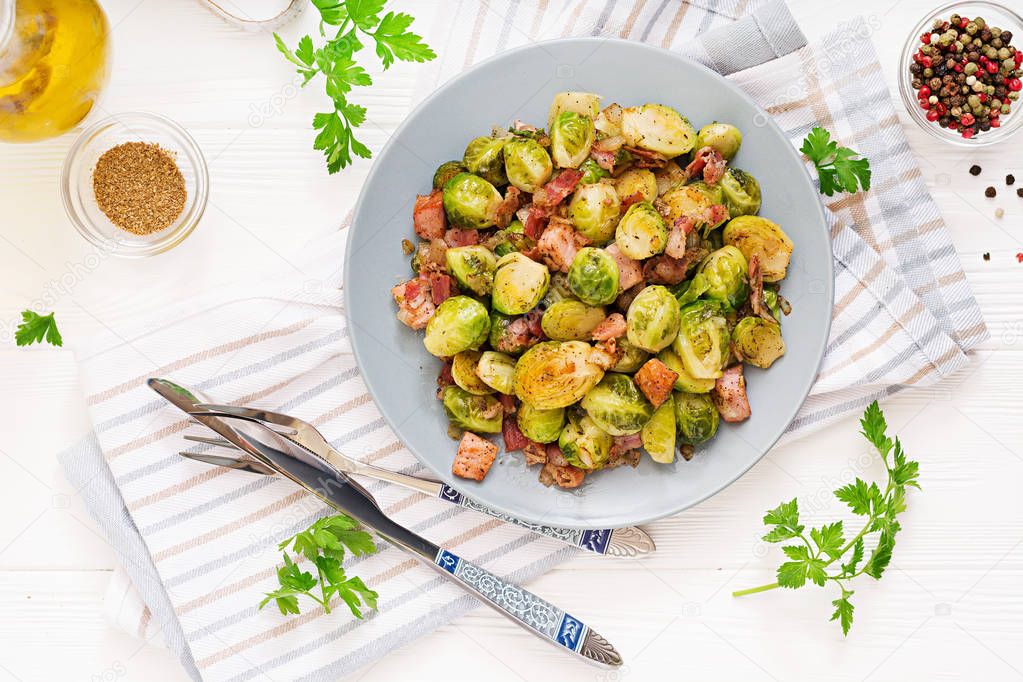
(530, 611)
(628, 542)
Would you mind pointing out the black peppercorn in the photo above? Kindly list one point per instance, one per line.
(1006, 37)
(987, 256)
(1010, 179)
(1019, 192)
(975, 170)
(990, 192)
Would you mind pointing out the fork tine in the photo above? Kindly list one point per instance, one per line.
(262, 415)
(216, 442)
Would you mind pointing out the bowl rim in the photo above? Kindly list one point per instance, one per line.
(829, 283)
(194, 213)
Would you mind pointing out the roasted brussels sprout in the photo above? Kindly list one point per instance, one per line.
(684, 381)
(696, 417)
(484, 157)
(658, 434)
(758, 341)
(505, 341)
(653, 319)
(759, 236)
(669, 177)
(592, 172)
(584, 103)
(446, 171)
(593, 276)
(519, 284)
(703, 340)
(555, 374)
(470, 202)
(463, 371)
(641, 233)
(609, 121)
(557, 291)
(658, 128)
(635, 180)
(741, 193)
(723, 137)
(617, 405)
(571, 320)
(496, 370)
(727, 276)
(473, 267)
(771, 298)
(688, 291)
(513, 239)
(476, 413)
(572, 136)
(459, 323)
(584, 444)
(693, 201)
(632, 358)
(542, 426)
(527, 164)
(594, 211)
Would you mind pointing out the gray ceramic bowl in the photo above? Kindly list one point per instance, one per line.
(401, 375)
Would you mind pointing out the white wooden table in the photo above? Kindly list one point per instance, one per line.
(951, 606)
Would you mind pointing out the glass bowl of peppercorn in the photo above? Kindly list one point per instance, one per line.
(960, 74)
(135, 184)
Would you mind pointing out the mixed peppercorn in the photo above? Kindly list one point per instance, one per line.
(966, 74)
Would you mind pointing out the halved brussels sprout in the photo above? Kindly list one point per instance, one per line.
(541, 426)
(727, 276)
(658, 128)
(476, 413)
(463, 371)
(484, 157)
(592, 172)
(513, 239)
(658, 435)
(446, 171)
(723, 137)
(617, 405)
(696, 417)
(496, 370)
(609, 121)
(527, 164)
(741, 192)
(584, 444)
(632, 358)
(641, 233)
(653, 319)
(519, 284)
(756, 235)
(470, 202)
(572, 137)
(593, 276)
(594, 211)
(459, 323)
(555, 374)
(689, 290)
(685, 381)
(774, 304)
(571, 320)
(504, 341)
(557, 291)
(758, 341)
(703, 340)
(473, 267)
(693, 201)
(635, 180)
(584, 103)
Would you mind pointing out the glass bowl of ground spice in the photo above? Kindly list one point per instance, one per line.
(135, 184)
(960, 73)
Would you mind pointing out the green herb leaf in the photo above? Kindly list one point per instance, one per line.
(36, 328)
(829, 539)
(849, 567)
(394, 42)
(365, 13)
(332, 12)
(838, 168)
(843, 611)
(785, 518)
(881, 556)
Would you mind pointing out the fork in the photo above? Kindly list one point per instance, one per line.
(628, 542)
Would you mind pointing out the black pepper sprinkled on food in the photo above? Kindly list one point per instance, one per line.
(990, 192)
(975, 169)
(1010, 179)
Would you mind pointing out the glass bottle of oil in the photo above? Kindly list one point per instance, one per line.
(53, 64)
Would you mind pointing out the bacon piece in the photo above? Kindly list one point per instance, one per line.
(533, 321)
(623, 444)
(729, 395)
(555, 191)
(605, 354)
(507, 208)
(535, 222)
(612, 327)
(626, 298)
(662, 207)
(444, 379)
(708, 161)
(431, 256)
(442, 287)
(655, 380)
(415, 306)
(676, 247)
(630, 272)
(513, 438)
(664, 269)
(605, 160)
(687, 451)
(522, 126)
(566, 476)
(536, 453)
(756, 290)
(522, 332)
(559, 243)
(644, 158)
(631, 199)
(474, 458)
(716, 214)
(428, 217)
(628, 457)
(458, 237)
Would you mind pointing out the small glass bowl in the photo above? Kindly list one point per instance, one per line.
(995, 14)
(80, 201)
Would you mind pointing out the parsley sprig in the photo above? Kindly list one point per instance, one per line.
(336, 62)
(36, 328)
(839, 168)
(826, 555)
(324, 544)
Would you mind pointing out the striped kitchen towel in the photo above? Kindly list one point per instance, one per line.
(199, 544)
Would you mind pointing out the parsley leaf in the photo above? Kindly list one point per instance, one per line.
(35, 328)
(393, 41)
(324, 544)
(826, 545)
(838, 168)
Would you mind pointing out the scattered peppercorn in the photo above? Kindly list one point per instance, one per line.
(987, 256)
(975, 169)
(990, 192)
(1019, 192)
(1010, 179)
